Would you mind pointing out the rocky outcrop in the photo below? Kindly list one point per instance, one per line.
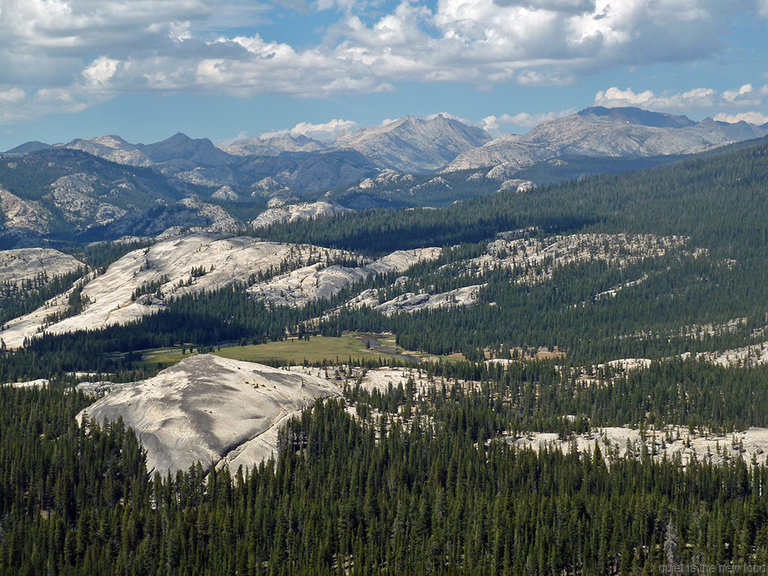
(120, 295)
(293, 212)
(210, 410)
(218, 218)
(27, 263)
(21, 214)
(75, 198)
(411, 302)
(412, 144)
(315, 282)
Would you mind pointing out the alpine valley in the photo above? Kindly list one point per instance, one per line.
(414, 349)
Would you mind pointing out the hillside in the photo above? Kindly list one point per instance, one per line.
(211, 410)
(576, 368)
(713, 206)
(652, 263)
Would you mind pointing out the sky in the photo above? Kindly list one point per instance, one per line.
(223, 69)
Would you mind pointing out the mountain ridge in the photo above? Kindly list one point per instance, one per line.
(100, 187)
(436, 143)
(605, 132)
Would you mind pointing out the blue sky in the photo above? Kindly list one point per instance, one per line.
(146, 69)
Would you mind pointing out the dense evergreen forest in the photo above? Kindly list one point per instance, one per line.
(400, 483)
(17, 299)
(441, 494)
(717, 203)
(718, 200)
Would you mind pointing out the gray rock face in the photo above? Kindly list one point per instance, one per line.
(385, 178)
(21, 214)
(209, 409)
(273, 146)
(269, 188)
(411, 303)
(414, 145)
(220, 220)
(293, 212)
(315, 282)
(26, 263)
(111, 148)
(225, 193)
(73, 195)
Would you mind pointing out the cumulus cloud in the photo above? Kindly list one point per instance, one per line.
(746, 96)
(99, 73)
(750, 117)
(735, 100)
(494, 124)
(12, 95)
(79, 52)
(696, 98)
(575, 6)
(731, 95)
(325, 131)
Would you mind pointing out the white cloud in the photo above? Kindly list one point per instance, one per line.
(86, 50)
(750, 117)
(99, 74)
(731, 95)
(575, 6)
(692, 99)
(699, 99)
(13, 95)
(326, 131)
(494, 124)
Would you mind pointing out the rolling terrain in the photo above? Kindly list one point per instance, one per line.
(563, 378)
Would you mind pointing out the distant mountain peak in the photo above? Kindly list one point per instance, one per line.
(180, 146)
(606, 132)
(28, 147)
(414, 144)
(273, 145)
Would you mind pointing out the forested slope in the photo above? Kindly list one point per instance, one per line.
(656, 263)
(362, 497)
(716, 203)
(717, 199)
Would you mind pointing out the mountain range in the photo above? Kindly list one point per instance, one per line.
(105, 187)
(606, 132)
